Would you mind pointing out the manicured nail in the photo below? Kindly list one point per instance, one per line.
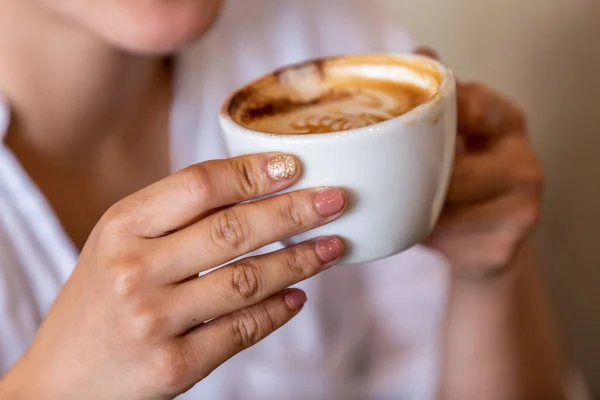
(281, 167)
(329, 248)
(329, 202)
(295, 299)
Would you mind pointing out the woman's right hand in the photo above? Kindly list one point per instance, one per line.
(134, 321)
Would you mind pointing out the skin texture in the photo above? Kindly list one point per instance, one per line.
(100, 110)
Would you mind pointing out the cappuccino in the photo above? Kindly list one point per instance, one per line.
(333, 95)
(392, 119)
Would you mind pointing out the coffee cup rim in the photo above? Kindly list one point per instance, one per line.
(447, 83)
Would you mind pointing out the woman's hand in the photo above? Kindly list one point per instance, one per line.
(499, 338)
(494, 200)
(135, 321)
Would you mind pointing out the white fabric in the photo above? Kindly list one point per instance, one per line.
(367, 332)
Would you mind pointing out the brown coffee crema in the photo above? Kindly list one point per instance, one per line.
(335, 94)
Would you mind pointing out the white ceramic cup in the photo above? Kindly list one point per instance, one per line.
(395, 173)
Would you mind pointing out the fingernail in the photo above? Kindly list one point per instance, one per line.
(329, 202)
(281, 167)
(295, 299)
(329, 249)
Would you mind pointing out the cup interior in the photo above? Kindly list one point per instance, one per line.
(312, 82)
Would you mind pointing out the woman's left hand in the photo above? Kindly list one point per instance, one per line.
(494, 200)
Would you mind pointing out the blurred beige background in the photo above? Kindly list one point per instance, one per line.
(546, 54)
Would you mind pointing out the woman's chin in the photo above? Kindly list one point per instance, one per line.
(156, 43)
(164, 30)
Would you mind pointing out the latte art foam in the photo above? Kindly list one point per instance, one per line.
(355, 107)
(315, 98)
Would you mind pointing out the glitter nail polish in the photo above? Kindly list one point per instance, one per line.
(281, 167)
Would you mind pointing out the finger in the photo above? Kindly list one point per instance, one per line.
(249, 281)
(482, 111)
(494, 228)
(427, 52)
(187, 195)
(478, 177)
(238, 230)
(213, 343)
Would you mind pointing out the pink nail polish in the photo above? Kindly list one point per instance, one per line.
(329, 248)
(295, 299)
(329, 202)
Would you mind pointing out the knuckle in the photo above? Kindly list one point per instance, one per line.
(115, 222)
(476, 89)
(529, 216)
(292, 212)
(474, 92)
(146, 323)
(195, 183)
(229, 231)
(245, 281)
(298, 262)
(500, 251)
(248, 183)
(531, 175)
(126, 277)
(126, 217)
(171, 369)
(245, 330)
(475, 102)
(486, 107)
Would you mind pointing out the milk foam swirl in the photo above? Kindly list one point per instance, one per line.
(364, 108)
(351, 110)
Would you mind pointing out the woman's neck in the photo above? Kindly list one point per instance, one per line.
(69, 92)
(90, 123)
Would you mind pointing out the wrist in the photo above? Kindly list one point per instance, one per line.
(503, 325)
(518, 283)
(26, 381)
(504, 275)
